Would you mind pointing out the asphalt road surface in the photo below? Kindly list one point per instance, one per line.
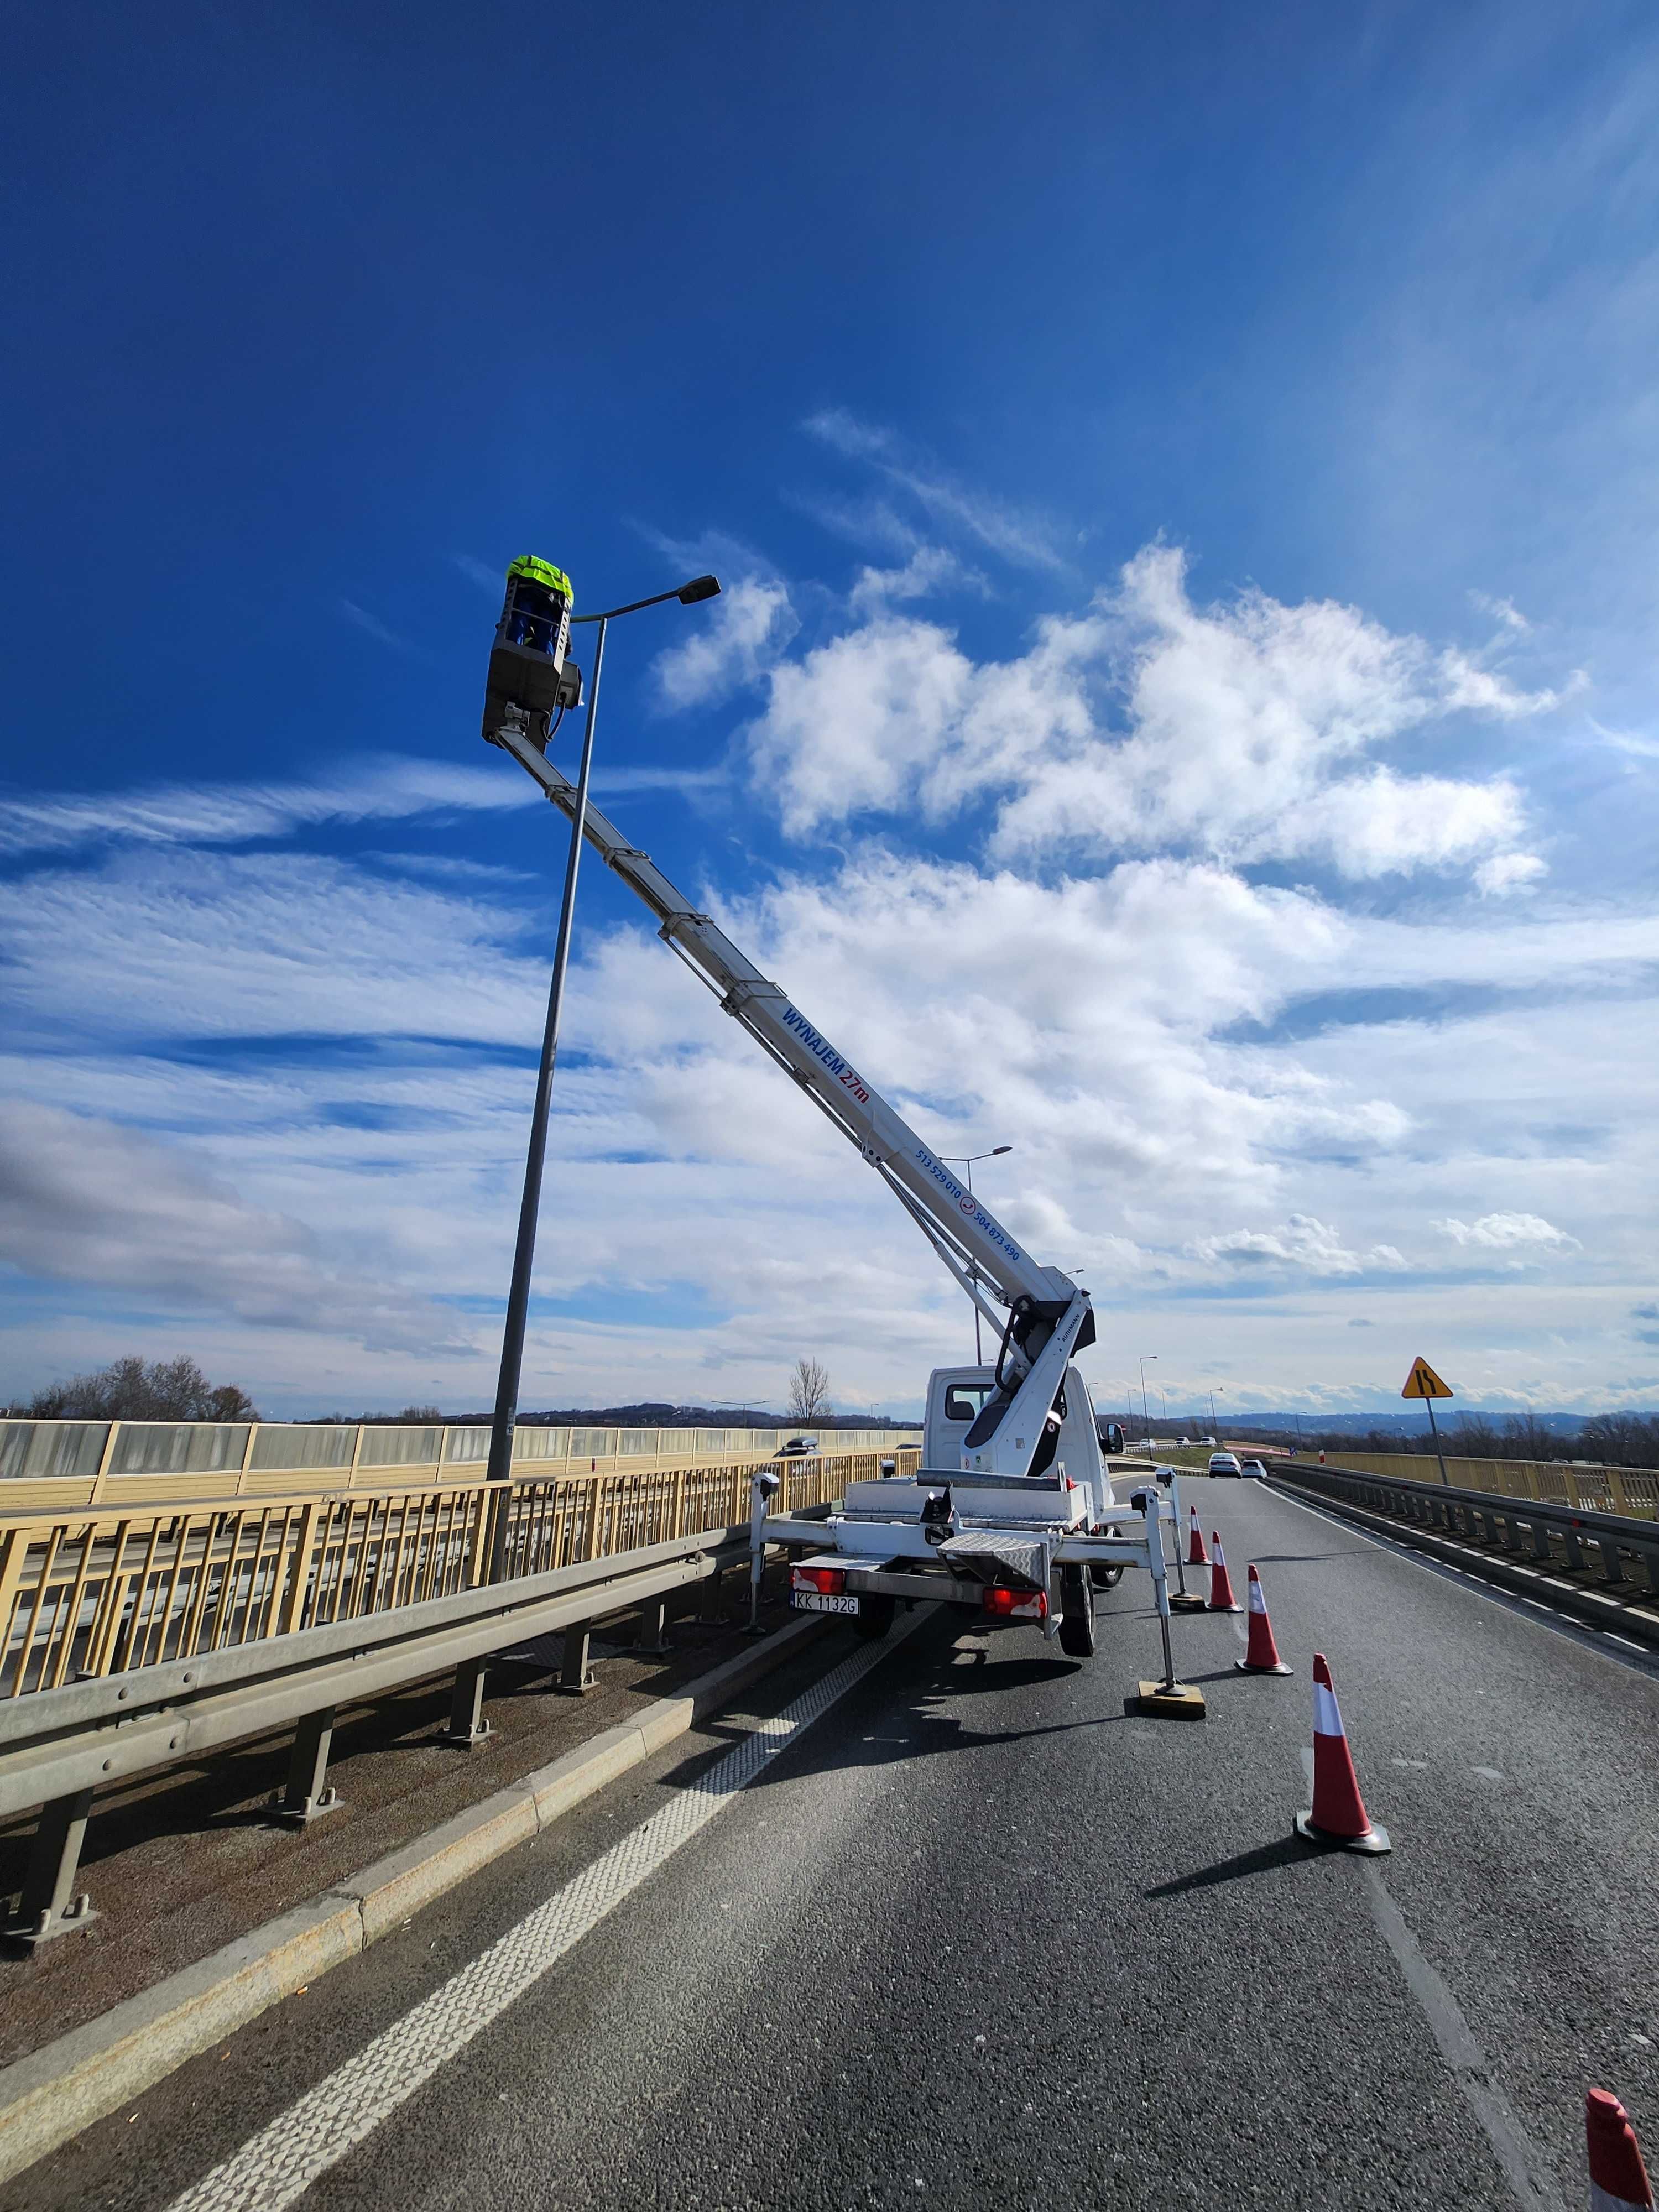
(972, 1935)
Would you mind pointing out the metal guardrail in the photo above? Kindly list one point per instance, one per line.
(93, 1593)
(47, 1466)
(90, 1734)
(1632, 1491)
(1536, 1531)
(128, 1647)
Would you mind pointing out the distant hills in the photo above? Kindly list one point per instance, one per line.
(648, 1414)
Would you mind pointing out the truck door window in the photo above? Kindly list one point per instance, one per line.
(963, 1400)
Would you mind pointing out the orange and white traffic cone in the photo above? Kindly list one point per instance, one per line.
(1196, 1554)
(1221, 1583)
(1338, 1815)
(1619, 2181)
(1260, 1653)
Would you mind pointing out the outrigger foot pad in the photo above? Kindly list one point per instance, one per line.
(1188, 1602)
(1179, 1701)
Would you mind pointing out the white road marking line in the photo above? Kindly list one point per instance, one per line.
(281, 2162)
(1527, 2176)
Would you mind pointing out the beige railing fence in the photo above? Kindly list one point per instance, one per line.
(99, 1591)
(47, 1465)
(1629, 1489)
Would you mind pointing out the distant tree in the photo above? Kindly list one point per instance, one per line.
(1525, 1436)
(1618, 1440)
(422, 1413)
(1472, 1436)
(808, 1390)
(129, 1390)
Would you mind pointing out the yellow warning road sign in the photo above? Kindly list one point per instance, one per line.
(1424, 1383)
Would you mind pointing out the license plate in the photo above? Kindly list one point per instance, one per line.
(815, 1602)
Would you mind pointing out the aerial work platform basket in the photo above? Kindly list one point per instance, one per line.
(529, 677)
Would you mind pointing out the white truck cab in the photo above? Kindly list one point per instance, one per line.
(956, 1396)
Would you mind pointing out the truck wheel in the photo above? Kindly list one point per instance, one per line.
(875, 1617)
(1105, 1578)
(1077, 1614)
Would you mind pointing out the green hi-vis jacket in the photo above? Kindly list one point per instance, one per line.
(544, 572)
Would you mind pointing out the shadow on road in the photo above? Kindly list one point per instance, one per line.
(1262, 1860)
(1308, 1558)
(919, 1724)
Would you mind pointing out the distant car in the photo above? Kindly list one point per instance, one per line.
(798, 1448)
(1253, 1470)
(1224, 1463)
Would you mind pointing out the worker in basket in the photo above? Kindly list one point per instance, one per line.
(538, 609)
(529, 680)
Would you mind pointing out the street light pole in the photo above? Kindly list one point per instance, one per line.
(500, 1470)
(524, 1252)
(959, 1160)
(1144, 1415)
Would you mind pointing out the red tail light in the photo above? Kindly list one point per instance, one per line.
(1016, 1605)
(829, 1582)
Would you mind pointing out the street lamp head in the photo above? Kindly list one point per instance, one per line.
(700, 587)
(996, 1149)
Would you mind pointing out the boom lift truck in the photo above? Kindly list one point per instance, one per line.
(1011, 1517)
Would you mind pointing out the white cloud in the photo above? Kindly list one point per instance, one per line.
(1505, 873)
(87, 1200)
(386, 789)
(1501, 610)
(1241, 730)
(373, 627)
(161, 943)
(477, 572)
(930, 569)
(732, 646)
(1304, 1241)
(1508, 1232)
(1024, 539)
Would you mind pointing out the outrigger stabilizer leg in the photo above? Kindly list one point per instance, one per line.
(1168, 1699)
(763, 1487)
(1184, 1601)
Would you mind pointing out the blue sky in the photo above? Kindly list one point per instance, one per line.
(1182, 705)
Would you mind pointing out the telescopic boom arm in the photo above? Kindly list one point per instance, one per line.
(1048, 1317)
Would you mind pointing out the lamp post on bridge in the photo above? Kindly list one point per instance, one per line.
(532, 643)
(969, 1161)
(1144, 1414)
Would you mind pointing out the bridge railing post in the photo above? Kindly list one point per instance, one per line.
(308, 1792)
(49, 1904)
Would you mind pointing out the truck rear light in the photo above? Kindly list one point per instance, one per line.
(1016, 1605)
(828, 1582)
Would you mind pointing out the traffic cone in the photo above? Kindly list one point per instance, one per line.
(1196, 1554)
(1221, 1585)
(1260, 1653)
(1339, 1814)
(1619, 2181)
